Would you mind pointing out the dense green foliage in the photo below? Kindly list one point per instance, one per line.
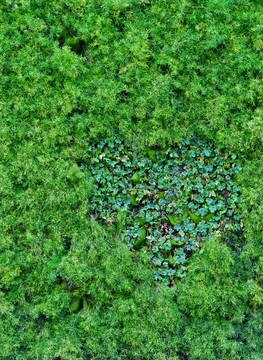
(164, 202)
(156, 72)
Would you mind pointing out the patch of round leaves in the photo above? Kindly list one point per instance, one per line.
(164, 203)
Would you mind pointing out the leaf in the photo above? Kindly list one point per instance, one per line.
(160, 194)
(84, 301)
(208, 217)
(185, 215)
(133, 200)
(174, 220)
(141, 240)
(206, 152)
(177, 242)
(196, 219)
(151, 154)
(163, 153)
(141, 220)
(135, 178)
(75, 304)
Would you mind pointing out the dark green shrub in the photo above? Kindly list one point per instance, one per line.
(164, 203)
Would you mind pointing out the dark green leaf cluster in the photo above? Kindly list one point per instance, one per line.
(164, 202)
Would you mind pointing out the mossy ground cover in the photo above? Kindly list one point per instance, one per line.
(155, 72)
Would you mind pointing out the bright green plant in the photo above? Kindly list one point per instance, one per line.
(156, 72)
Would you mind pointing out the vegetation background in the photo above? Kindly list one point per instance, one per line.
(155, 71)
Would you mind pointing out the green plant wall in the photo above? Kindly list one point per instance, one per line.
(155, 72)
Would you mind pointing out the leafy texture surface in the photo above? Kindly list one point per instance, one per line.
(165, 202)
(156, 72)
